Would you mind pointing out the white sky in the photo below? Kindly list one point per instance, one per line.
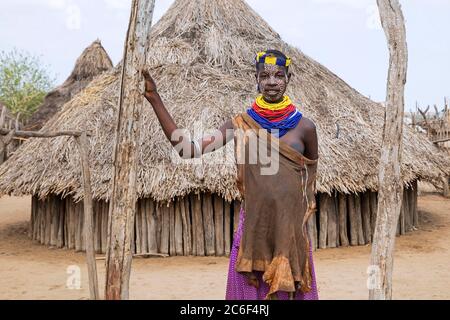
(344, 35)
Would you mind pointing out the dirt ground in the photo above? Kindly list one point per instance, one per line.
(31, 271)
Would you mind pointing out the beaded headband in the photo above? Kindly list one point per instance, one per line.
(269, 58)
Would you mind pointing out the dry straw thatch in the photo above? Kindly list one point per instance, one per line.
(93, 62)
(201, 56)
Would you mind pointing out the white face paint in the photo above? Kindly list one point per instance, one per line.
(272, 82)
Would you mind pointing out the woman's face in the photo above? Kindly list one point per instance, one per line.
(272, 81)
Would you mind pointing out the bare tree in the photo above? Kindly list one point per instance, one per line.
(390, 183)
(123, 196)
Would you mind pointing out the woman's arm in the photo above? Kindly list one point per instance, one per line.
(188, 149)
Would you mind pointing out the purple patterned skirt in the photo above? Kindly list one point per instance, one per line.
(239, 289)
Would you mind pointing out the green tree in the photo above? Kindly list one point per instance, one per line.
(24, 82)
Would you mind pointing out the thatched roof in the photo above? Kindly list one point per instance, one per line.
(201, 57)
(93, 61)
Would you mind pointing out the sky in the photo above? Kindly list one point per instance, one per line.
(344, 35)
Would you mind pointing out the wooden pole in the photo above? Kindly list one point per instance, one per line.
(138, 229)
(32, 134)
(365, 212)
(353, 220)
(359, 221)
(66, 222)
(323, 227)
(165, 229)
(197, 226)
(407, 212)
(445, 184)
(208, 224)
(42, 209)
(411, 207)
(48, 220)
(144, 217)
(227, 228)
(4, 142)
(78, 226)
(312, 231)
(179, 227)
(186, 240)
(187, 228)
(342, 213)
(32, 229)
(414, 205)
(83, 144)
(62, 215)
(236, 214)
(390, 184)
(373, 211)
(218, 225)
(172, 250)
(123, 196)
(332, 224)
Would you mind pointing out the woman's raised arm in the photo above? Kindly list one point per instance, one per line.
(186, 147)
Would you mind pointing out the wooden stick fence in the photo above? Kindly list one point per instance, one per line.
(51, 224)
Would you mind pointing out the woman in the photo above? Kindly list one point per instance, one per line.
(271, 256)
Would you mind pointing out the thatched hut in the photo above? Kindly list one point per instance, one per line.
(93, 62)
(201, 56)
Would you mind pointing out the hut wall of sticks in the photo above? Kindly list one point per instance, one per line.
(201, 55)
(204, 224)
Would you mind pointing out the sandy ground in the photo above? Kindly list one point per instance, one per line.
(31, 271)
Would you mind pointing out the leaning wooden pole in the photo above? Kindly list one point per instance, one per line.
(83, 146)
(390, 192)
(123, 196)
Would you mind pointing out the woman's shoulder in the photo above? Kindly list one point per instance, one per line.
(308, 124)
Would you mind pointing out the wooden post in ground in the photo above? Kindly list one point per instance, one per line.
(323, 226)
(445, 183)
(390, 194)
(123, 196)
(83, 144)
(342, 214)
(4, 141)
(352, 219)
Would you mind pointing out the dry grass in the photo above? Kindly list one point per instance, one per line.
(201, 55)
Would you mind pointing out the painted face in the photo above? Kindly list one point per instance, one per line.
(272, 81)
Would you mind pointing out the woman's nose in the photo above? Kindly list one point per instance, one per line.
(272, 81)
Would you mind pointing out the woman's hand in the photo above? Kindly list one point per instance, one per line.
(150, 86)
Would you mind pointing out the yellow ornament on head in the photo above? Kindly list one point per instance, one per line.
(268, 58)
